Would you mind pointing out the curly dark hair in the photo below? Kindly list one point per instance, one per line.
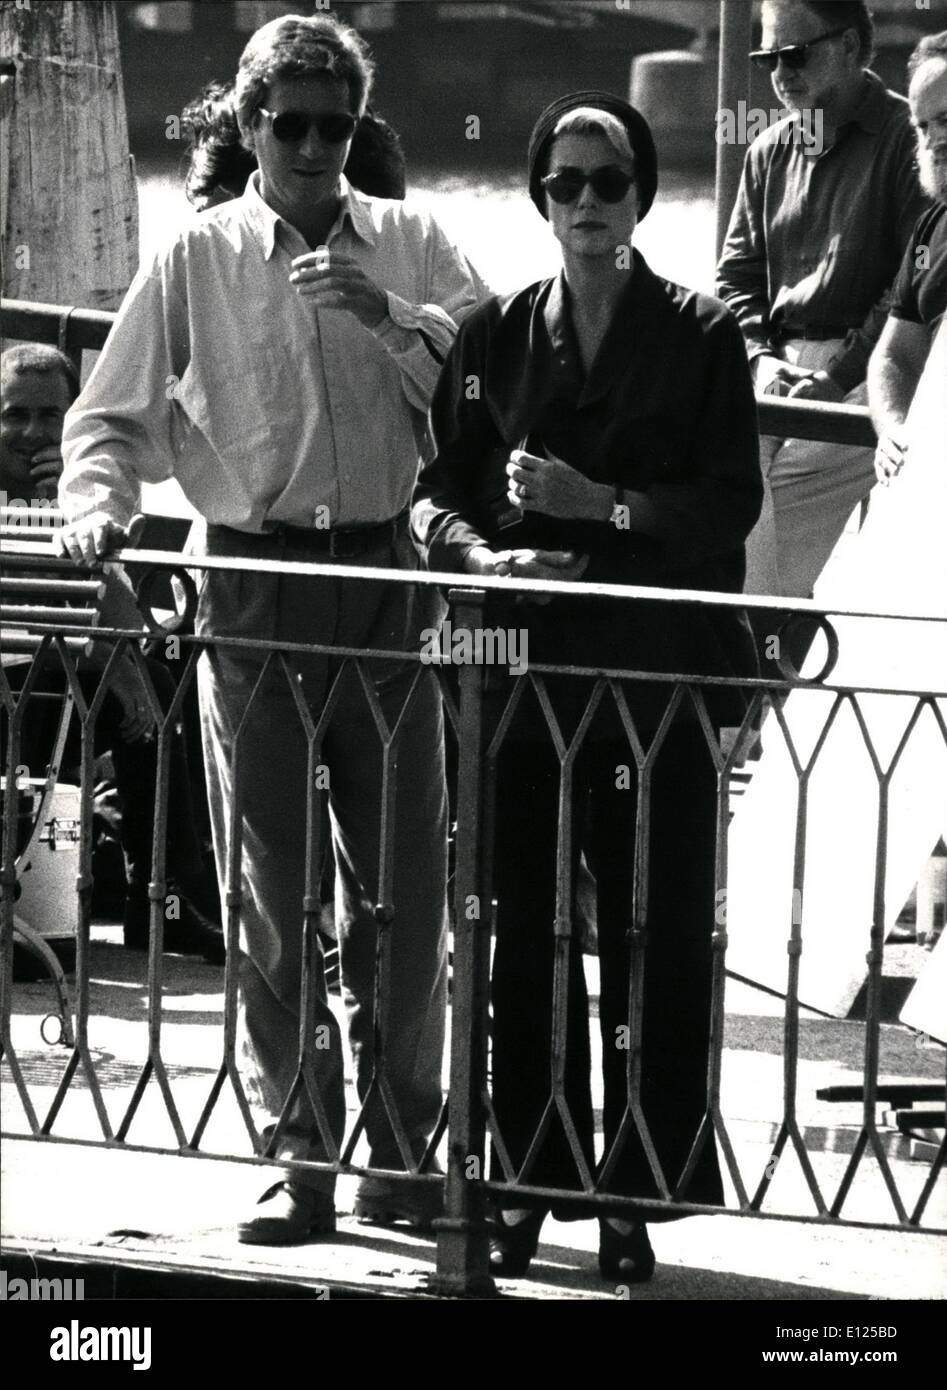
(218, 160)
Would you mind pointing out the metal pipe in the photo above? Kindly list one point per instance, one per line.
(733, 83)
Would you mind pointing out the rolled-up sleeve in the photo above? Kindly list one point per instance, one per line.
(419, 336)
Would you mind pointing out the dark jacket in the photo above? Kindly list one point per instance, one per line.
(666, 410)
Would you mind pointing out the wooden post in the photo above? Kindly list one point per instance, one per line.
(71, 206)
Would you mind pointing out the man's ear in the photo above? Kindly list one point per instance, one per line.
(852, 44)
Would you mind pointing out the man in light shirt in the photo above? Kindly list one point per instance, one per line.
(277, 358)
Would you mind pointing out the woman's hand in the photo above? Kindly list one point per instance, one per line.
(553, 487)
(527, 564)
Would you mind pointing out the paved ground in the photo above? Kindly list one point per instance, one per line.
(157, 1210)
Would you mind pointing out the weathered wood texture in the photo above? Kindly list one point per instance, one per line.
(69, 195)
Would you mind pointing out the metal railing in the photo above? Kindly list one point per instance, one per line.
(468, 1127)
(471, 1120)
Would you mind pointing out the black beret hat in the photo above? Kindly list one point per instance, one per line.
(639, 134)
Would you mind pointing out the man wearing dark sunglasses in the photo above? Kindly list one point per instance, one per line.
(814, 244)
(285, 348)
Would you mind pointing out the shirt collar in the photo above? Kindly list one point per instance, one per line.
(355, 209)
(871, 109)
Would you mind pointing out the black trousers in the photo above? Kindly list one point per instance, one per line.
(677, 968)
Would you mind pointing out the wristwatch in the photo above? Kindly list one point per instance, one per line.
(619, 510)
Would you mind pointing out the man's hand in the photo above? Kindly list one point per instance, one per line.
(890, 456)
(774, 377)
(94, 536)
(554, 488)
(330, 281)
(45, 470)
(817, 387)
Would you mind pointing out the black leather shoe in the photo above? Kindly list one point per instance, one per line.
(512, 1247)
(287, 1214)
(188, 934)
(625, 1259)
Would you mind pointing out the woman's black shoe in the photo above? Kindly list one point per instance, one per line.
(626, 1259)
(512, 1247)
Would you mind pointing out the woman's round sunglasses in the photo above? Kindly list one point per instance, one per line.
(794, 55)
(292, 127)
(609, 182)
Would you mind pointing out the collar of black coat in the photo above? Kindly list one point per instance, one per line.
(638, 326)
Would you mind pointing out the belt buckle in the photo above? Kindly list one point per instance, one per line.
(344, 545)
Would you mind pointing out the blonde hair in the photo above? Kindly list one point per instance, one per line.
(591, 120)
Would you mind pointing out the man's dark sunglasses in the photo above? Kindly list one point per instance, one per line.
(608, 183)
(794, 55)
(292, 127)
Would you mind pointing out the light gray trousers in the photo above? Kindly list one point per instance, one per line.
(811, 489)
(259, 721)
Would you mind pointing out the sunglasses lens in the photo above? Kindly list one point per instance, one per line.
(289, 127)
(292, 127)
(610, 185)
(565, 188)
(335, 129)
(795, 58)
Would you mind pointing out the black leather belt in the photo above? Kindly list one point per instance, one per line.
(337, 542)
(811, 332)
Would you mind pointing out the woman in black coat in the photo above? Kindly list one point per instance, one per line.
(617, 411)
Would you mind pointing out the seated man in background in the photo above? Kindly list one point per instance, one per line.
(38, 385)
(825, 210)
(919, 300)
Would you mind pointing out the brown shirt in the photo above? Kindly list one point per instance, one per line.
(815, 241)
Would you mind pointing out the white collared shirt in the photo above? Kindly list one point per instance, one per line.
(263, 407)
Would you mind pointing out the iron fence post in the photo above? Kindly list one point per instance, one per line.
(463, 1266)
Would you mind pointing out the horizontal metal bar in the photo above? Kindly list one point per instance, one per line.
(17, 640)
(907, 1120)
(25, 530)
(32, 613)
(40, 323)
(600, 1203)
(902, 1094)
(704, 598)
(822, 420)
(67, 588)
